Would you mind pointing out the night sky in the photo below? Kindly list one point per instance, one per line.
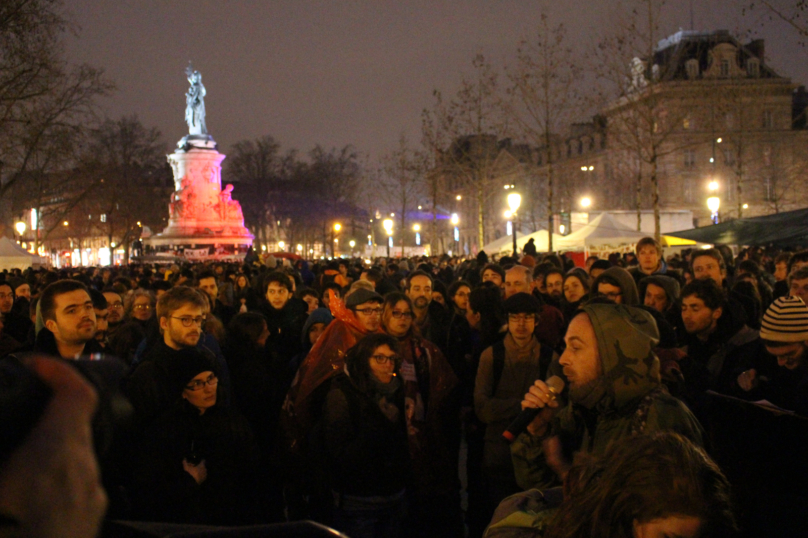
(340, 71)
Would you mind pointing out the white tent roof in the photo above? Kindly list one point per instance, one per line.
(604, 230)
(13, 256)
(504, 245)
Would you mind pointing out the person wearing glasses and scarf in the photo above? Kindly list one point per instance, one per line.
(432, 403)
(364, 440)
(197, 462)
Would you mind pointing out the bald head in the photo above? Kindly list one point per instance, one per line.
(518, 279)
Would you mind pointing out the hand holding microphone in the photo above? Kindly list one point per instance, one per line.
(537, 408)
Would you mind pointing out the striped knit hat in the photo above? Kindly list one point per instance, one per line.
(786, 320)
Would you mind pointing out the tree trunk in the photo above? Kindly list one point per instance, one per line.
(655, 182)
(639, 200)
(549, 207)
(480, 215)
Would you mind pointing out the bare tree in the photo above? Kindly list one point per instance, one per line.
(403, 185)
(41, 97)
(646, 117)
(543, 97)
(473, 124)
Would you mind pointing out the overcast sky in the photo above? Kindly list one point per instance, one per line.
(337, 72)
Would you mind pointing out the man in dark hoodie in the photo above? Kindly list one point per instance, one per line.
(616, 284)
(614, 392)
(661, 293)
(285, 315)
(431, 317)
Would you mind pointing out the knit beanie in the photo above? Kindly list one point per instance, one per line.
(188, 363)
(786, 320)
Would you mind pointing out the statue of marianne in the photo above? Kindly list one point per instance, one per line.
(195, 103)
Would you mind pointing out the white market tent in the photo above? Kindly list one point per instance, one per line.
(13, 256)
(605, 232)
(504, 245)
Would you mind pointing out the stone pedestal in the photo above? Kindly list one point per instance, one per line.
(201, 214)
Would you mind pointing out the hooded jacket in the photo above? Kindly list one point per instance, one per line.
(632, 400)
(625, 282)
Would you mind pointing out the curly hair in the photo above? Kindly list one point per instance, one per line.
(643, 478)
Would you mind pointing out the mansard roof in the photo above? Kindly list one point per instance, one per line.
(673, 53)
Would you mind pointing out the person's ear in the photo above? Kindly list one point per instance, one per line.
(717, 313)
(51, 325)
(163, 323)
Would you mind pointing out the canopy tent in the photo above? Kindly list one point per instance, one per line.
(781, 229)
(13, 256)
(606, 232)
(504, 245)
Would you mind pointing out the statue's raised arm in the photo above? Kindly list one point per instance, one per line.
(195, 103)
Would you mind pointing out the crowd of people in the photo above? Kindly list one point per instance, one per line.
(373, 397)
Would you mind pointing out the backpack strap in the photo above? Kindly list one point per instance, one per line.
(499, 364)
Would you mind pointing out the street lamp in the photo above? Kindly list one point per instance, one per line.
(20, 227)
(514, 199)
(388, 227)
(456, 236)
(713, 203)
(586, 201)
(281, 245)
(335, 230)
(713, 186)
(417, 229)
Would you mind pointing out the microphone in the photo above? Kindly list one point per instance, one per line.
(556, 385)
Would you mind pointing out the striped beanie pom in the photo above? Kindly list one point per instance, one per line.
(786, 320)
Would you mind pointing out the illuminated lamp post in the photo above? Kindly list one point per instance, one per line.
(514, 200)
(388, 227)
(714, 203)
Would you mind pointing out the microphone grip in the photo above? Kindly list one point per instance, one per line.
(520, 423)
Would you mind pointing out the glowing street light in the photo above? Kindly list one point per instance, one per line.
(417, 229)
(713, 204)
(586, 201)
(335, 230)
(458, 197)
(352, 243)
(20, 227)
(299, 247)
(455, 219)
(713, 186)
(387, 224)
(514, 200)
(281, 245)
(65, 223)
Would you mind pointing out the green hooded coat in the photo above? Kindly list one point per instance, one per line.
(633, 402)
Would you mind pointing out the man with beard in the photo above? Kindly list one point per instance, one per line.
(181, 317)
(101, 309)
(431, 317)
(614, 392)
(115, 307)
(69, 318)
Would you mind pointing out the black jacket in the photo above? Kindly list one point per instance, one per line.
(285, 326)
(366, 452)
(164, 491)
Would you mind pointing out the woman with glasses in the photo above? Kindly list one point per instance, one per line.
(432, 404)
(198, 461)
(364, 437)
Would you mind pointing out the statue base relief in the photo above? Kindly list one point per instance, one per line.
(203, 217)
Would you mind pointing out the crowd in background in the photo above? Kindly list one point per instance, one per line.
(373, 397)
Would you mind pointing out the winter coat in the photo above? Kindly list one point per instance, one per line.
(365, 450)
(634, 399)
(164, 491)
(285, 326)
(626, 284)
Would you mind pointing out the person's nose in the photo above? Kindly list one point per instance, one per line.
(564, 359)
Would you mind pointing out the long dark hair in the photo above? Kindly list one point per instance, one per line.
(391, 300)
(643, 478)
(486, 300)
(357, 360)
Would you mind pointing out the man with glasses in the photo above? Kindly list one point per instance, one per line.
(181, 316)
(115, 307)
(507, 370)
(617, 285)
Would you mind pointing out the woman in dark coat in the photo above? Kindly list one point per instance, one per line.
(197, 463)
(365, 440)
